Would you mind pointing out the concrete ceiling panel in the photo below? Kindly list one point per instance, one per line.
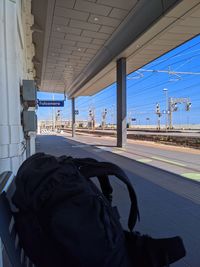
(171, 43)
(176, 36)
(71, 13)
(183, 8)
(91, 51)
(185, 29)
(84, 25)
(86, 57)
(93, 46)
(73, 37)
(78, 31)
(118, 13)
(196, 13)
(52, 44)
(60, 51)
(60, 20)
(78, 53)
(51, 60)
(146, 39)
(104, 20)
(67, 29)
(159, 47)
(65, 3)
(193, 22)
(98, 41)
(48, 76)
(94, 8)
(57, 34)
(107, 29)
(64, 42)
(97, 35)
(125, 4)
(150, 52)
(73, 48)
(73, 57)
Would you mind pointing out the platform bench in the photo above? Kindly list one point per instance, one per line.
(11, 253)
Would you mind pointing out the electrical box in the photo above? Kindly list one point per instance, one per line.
(29, 92)
(29, 121)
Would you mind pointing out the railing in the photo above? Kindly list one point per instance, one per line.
(11, 252)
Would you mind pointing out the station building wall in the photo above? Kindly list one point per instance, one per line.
(16, 53)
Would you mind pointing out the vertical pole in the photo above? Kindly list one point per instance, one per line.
(121, 103)
(170, 113)
(112, 116)
(73, 117)
(93, 118)
(166, 107)
(53, 115)
(159, 122)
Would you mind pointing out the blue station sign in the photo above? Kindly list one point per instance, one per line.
(50, 103)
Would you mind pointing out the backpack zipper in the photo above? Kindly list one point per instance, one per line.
(109, 221)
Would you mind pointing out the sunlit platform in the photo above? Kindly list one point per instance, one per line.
(168, 203)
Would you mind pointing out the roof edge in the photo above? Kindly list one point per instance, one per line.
(132, 27)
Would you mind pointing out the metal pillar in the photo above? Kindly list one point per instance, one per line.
(170, 113)
(73, 118)
(121, 103)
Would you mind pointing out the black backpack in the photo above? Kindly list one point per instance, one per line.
(64, 219)
(69, 213)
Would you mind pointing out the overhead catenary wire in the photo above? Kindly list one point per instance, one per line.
(104, 92)
(100, 100)
(145, 78)
(154, 72)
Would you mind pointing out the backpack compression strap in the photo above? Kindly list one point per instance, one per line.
(103, 179)
(103, 169)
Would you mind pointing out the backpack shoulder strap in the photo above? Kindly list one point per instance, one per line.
(104, 169)
(85, 163)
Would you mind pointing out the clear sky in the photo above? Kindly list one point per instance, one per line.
(144, 90)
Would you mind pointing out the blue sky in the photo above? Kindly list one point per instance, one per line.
(144, 90)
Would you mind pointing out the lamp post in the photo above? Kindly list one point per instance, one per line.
(165, 90)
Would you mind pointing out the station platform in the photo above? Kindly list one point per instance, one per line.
(169, 204)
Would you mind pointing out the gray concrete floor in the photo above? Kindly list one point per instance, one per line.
(169, 204)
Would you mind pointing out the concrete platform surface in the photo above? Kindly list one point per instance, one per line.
(169, 204)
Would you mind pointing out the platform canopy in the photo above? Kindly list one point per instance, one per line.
(78, 42)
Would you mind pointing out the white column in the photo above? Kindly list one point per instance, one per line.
(3, 110)
(11, 134)
(4, 128)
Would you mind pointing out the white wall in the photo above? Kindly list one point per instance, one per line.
(16, 52)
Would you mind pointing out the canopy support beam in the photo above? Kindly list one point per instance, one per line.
(121, 103)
